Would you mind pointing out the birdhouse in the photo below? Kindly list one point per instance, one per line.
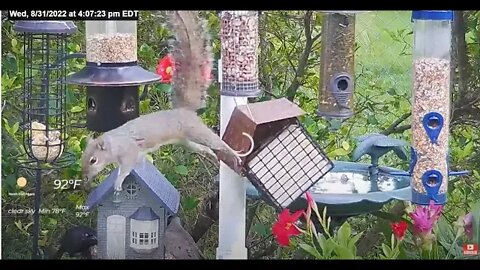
(134, 228)
(337, 72)
(284, 162)
(112, 75)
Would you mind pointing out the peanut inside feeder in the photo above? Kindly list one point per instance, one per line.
(239, 39)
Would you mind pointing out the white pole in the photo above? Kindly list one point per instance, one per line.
(232, 205)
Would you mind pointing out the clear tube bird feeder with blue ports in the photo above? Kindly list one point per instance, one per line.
(431, 106)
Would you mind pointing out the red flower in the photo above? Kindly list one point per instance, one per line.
(165, 68)
(399, 229)
(285, 227)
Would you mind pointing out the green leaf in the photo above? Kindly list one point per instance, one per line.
(311, 250)
(476, 174)
(190, 203)
(392, 92)
(322, 241)
(346, 145)
(386, 250)
(11, 181)
(76, 109)
(15, 127)
(52, 221)
(181, 169)
(83, 143)
(343, 252)
(164, 88)
(343, 234)
(372, 120)
(261, 229)
(14, 43)
(354, 240)
(338, 152)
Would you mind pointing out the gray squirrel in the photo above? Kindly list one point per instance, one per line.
(126, 145)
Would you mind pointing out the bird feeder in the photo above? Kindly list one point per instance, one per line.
(112, 75)
(284, 161)
(44, 102)
(337, 74)
(431, 105)
(239, 39)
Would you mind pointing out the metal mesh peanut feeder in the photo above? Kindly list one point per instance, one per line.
(337, 72)
(112, 74)
(44, 103)
(431, 105)
(239, 39)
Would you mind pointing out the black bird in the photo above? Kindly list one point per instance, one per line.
(77, 241)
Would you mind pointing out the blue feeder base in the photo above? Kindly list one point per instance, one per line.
(424, 199)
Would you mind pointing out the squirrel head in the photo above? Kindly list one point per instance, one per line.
(95, 158)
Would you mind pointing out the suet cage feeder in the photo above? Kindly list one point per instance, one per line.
(239, 42)
(112, 75)
(44, 103)
(337, 70)
(284, 162)
(431, 105)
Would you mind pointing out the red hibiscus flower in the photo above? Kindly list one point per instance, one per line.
(399, 229)
(285, 227)
(165, 68)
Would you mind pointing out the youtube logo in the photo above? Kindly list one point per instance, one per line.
(470, 249)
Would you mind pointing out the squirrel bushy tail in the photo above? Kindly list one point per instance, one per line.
(193, 58)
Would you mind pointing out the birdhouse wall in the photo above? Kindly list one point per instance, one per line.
(126, 209)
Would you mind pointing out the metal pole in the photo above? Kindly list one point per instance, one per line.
(232, 205)
(36, 214)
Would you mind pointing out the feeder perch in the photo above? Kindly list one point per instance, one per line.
(239, 39)
(431, 105)
(337, 74)
(112, 75)
(44, 103)
(285, 162)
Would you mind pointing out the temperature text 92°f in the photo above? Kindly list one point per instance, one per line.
(66, 183)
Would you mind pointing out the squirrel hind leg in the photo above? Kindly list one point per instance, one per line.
(201, 149)
(204, 136)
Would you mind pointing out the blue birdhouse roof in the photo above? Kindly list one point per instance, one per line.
(147, 176)
(144, 214)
